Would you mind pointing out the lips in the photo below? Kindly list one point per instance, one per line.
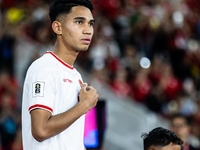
(86, 40)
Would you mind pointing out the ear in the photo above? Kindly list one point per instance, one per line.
(57, 28)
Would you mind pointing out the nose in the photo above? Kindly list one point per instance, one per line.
(88, 30)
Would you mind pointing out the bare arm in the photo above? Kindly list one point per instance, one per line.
(44, 125)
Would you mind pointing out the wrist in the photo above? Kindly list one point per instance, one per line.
(82, 106)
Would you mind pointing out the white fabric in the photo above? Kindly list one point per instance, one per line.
(53, 85)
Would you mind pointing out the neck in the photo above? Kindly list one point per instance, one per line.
(66, 55)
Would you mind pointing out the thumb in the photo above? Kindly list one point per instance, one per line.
(83, 85)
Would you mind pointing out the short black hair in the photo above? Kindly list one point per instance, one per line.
(160, 137)
(60, 7)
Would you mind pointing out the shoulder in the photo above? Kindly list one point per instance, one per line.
(45, 62)
(77, 73)
(43, 66)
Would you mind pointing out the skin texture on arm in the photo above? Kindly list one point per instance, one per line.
(44, 125)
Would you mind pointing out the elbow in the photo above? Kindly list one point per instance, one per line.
(39, 135)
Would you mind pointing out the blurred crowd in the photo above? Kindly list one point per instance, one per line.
(147, 50)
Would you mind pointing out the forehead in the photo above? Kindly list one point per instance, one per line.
(179, 120)
(80, 11)
(171, 147)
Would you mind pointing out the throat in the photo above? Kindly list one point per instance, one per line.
(68, 58)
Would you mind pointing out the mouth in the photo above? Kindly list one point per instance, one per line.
(86, 40)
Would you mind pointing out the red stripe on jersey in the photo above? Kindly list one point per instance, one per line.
(70, 67)
(80, 82)
(40, 106)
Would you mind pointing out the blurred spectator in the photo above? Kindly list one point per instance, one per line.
(119, 84)
(155, 74)
(8, 84)
(130, 60)
(169, 83)
(155, 100)
(141, 85)
(109, 8)
(180, 124)
(8, 124)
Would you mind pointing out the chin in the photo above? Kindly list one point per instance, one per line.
(84, 48)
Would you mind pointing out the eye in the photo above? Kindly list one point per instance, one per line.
(79, 22)
(91, 24)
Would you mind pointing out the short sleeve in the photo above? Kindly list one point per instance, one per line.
(42, 89)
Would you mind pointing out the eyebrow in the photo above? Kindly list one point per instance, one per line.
(82, 18)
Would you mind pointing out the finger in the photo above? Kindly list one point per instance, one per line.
(83, 88)
(90, 88)
(97, 96)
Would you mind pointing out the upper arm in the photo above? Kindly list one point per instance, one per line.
(41, 89)
(39, 118)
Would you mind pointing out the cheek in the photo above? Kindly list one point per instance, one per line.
(72, 32)
(68, 29)
(69, 35)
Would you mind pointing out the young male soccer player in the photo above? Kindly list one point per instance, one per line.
(54, 97)
(161, 139)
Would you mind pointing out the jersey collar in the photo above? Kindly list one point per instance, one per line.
(60, 60)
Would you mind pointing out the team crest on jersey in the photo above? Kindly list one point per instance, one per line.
(38, 89)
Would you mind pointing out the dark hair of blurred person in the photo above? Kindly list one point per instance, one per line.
(161, 139)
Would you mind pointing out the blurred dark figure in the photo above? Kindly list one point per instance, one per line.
(6, 52)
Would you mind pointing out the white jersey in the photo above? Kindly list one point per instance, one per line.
(53, 85)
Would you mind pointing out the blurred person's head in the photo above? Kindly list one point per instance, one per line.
(180, 126)
(4, 77)
(130, 51)
(161, 139)
(6, 101)
(63, 7)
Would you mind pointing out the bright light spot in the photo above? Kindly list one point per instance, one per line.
(193, 45)
(145, 62)
(178, 18)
